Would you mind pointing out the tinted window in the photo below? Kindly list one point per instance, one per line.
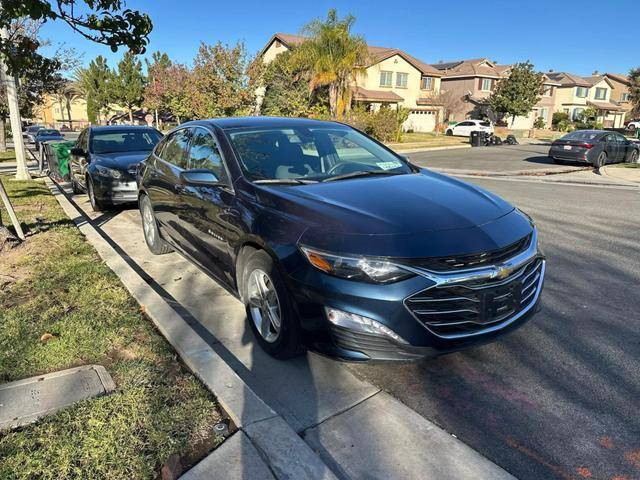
(204, 153)
(48, 132)
(465, 124)
(312, 153)
(582, 135)
(116, 141)
(485, 124)
(175, 150)
(619, 137)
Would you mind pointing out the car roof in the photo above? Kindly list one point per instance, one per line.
(107, 128)
(259, 121)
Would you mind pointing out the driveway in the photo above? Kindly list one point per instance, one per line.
(559, 398)
(505, 159)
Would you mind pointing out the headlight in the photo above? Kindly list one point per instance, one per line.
(364, 269)
(108, 172)
(352, 321)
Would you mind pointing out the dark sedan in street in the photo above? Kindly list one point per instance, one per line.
(597, 147)
(104, 162)
(335, 242)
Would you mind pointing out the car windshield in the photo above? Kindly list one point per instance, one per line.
(485, 124)
(583, 135)
(311, 154)
(117, 141)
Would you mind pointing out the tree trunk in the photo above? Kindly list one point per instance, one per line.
(69, 114)
(131, 116)
(3, 136)
(333, 100)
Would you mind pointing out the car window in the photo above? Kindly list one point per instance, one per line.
(124, 140)
(619, 137)
(204, 153)
(175, 150)
(465, 124)
(582, 135)
(608, 138)
(485, 124)
(312, 153)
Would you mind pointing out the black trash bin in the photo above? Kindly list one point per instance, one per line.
(477, 139)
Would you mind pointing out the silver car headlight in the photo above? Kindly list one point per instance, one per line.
(365, 269)
(108, 172)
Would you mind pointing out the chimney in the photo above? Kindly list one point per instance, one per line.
(551, 70)
(595, 72)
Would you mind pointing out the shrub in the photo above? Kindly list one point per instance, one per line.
(539, 123)
(384, 124)
(559, 117)
(565, 126)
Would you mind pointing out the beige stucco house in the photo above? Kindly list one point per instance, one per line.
(467, 85)
(575, 94)
(620, 91)
(392, 77)
(53, 112)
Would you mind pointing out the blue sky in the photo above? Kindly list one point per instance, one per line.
(559, 35)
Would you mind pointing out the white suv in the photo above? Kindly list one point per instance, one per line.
(633, 125)
(464, 129)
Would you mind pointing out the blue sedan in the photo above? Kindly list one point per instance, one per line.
(45, 135)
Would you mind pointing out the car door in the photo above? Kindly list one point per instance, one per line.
(624, 147)
(611, 148)
(164, 185)
(208, 219)
(463, 128)
(78, 164)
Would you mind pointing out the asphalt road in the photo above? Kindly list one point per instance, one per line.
(505, 158)
(558, 398)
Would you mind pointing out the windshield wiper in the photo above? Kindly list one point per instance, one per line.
(363, 173)
(285, 181)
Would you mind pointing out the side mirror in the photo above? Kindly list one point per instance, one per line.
(199, 177)
(78, 152)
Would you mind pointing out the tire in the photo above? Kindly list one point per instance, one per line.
(96, 205)
(449, 133)
(270, 311)
(631, 128)
(152, 237)
(74, 187)
(601, 161)
(633, 158)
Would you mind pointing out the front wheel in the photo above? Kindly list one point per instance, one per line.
(154, 242)
(631, 128)
(601, 161)
(449, 133)
(96, 204)
(633, 158)
(269, 307)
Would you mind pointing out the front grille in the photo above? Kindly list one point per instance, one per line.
(468, 309)
(475, 260)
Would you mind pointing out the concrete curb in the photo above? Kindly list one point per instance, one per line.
(287, 456)
(428, 149)
(510, 173)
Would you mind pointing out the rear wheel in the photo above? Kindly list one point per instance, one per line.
(449, 132)
(156, 244)
(631, 128)
(269, 307)
(75, 188)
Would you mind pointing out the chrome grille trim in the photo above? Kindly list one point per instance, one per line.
(525, 271)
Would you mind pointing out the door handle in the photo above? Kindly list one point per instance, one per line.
(179, 188)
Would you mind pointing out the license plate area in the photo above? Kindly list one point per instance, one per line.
(567, 147)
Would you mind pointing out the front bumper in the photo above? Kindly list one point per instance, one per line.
(115, 190)
(386, 304)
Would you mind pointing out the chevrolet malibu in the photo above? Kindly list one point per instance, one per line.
(333, 242)
(597, 147)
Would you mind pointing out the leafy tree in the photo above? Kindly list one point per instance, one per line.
(102, 21)
(634, 90)
(220, 81)
(559, 117)
(155, 92)
(517, 94)
(334, 57)
(128, 84)
(178, 92)
(286, 89)
(66, 95)
(539, 123)
(94, 82)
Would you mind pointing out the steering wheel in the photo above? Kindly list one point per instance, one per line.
(345, 167)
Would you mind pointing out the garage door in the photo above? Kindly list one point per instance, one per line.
(421, 121)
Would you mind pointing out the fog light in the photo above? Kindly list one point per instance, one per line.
(352, 321)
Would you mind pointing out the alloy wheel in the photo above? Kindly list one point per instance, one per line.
(92, 197)
(148, 222)
(264, 305)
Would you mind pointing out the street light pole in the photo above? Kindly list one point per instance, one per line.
(22, 172)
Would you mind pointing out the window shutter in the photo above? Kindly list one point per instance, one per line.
(480, 84)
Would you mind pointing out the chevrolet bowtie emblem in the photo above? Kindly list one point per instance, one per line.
(502, 272)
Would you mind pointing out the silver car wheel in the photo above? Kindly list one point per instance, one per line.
(264, 305)
(148, 222)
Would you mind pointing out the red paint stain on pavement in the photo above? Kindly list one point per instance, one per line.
(584, 472)
(606, 442)
(633, 457)
(559, 471)
(618, 477)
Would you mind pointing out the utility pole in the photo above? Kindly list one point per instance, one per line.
(22, 172)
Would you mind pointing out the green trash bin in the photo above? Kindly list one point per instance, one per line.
(62, 151)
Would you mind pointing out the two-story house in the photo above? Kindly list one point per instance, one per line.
(620, 91)
(468, 84)
(575, 94)
(391, 77)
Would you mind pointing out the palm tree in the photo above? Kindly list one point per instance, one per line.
(334, 58)
(634, 90)
(68, 93)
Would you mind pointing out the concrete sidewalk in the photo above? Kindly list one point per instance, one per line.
(354, 428)
(622, 173)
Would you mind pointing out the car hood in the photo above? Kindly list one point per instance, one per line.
(404, 213)
(120, 160)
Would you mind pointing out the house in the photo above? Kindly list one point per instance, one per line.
(467, 85)
(55, 112)
(575, 94)
(620, 91)
(392, 77)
